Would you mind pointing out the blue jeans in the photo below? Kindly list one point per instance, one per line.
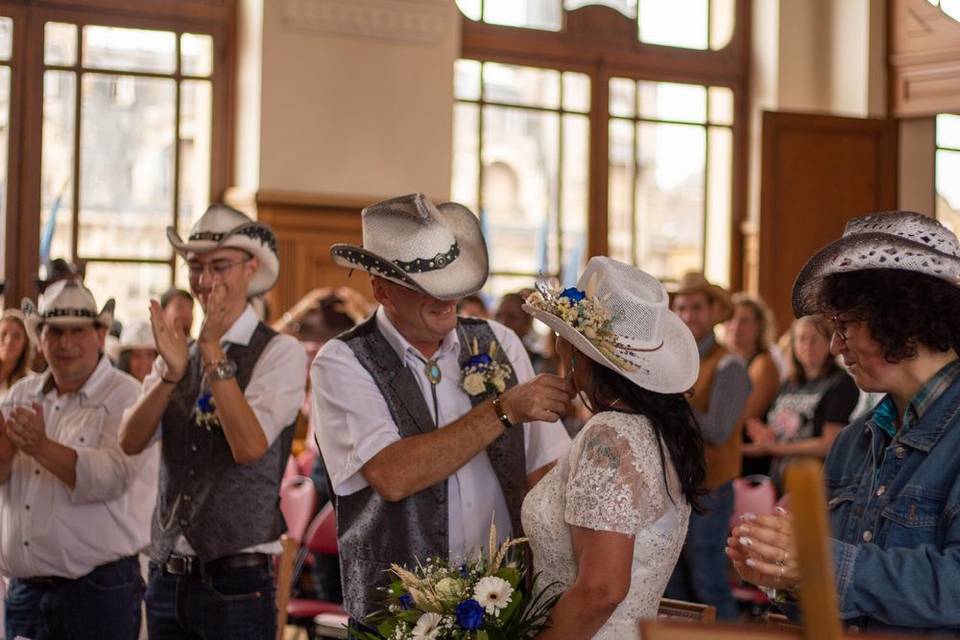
(237, 604)
(701, 574)
(105, 603)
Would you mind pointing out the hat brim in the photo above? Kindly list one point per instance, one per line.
(867, 251)
(673, 368)
(268, 263)
(462, 277)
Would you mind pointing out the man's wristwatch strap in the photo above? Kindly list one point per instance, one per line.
(498, 407)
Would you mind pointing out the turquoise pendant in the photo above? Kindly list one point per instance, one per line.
(432, 369)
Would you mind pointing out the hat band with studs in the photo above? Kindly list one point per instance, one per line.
(422, 265)
(256, 232)
(72, 312)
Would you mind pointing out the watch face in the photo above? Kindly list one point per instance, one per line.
(226, 369)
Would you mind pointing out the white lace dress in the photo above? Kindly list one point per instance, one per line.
(611, 480)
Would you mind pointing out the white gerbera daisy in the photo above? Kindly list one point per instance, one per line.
(493, 594)
(427, 627)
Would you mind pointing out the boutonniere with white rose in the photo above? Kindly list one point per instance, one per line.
(483, 373)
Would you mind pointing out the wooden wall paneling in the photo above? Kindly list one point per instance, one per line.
(818, 172)
(924, 59)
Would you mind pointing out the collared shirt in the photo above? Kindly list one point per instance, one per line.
(48, 529)
(354, 424)
(886, 415)
(728, 396)
(275, 390)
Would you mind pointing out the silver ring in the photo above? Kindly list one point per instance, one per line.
(780, 577)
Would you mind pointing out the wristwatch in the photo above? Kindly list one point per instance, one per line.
(222, 370)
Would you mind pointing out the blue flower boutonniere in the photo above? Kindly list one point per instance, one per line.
(205, 412)
(483, 373)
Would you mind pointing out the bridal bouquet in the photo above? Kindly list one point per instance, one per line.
(485, 599)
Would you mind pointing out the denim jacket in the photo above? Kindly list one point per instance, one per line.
(895, 532)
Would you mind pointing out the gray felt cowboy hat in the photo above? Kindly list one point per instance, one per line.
(438, 250)
(901, 240)
(223, 227)
(65, 303)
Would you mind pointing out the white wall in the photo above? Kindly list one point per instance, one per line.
(357, 96)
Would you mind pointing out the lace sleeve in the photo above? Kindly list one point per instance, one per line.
(614, 481)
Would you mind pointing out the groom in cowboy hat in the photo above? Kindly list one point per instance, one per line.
(74, 510)
(224, 409)
(421, 456)
(718, 399)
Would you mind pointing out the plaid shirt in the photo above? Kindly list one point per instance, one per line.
(886, 416)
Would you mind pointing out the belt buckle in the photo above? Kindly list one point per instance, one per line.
(180, 565)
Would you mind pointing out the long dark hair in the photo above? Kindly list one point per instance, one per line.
(672, 419)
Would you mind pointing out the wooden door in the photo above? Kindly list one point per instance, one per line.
(817, 173)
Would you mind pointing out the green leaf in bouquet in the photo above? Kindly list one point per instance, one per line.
(482, 635)
(516, 600)
(509, 574)
(410, 615)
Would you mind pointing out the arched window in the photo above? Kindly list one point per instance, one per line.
(623, 124)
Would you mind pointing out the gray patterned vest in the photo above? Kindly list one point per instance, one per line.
(373, 532)
(219, 506)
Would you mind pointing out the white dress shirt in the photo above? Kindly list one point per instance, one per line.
(48, 529)
(354, 424)
(275, 391)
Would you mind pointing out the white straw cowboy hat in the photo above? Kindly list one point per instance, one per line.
(902, 240)
(435, 249)
(137, 335)
(65, 303)
(619, 317)
(223, 227)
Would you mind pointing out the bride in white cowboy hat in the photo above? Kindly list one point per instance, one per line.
(608, 522)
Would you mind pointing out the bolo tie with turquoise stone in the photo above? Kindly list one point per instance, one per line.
(432, 370)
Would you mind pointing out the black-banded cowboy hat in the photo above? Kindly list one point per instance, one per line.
(223, 227)
(65, 303)
(434, 249)
(902, 240)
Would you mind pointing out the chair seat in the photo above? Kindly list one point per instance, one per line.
(304, 608)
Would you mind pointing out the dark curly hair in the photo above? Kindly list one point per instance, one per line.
(672, 419)
(901, 308)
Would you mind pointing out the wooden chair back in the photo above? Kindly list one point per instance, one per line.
(681, 610)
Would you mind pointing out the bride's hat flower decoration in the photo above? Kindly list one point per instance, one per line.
(483, 373)
(584, 311)
(485, 598)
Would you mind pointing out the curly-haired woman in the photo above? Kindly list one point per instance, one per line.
(891, 287)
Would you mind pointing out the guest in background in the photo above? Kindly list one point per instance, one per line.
(74, 511)
(749, 333)
(330, 303)
(811, 407)
(224, 410)
(718, 398)
(473, 306)
(137, 350)
(15, 349)
(510, 313)
(177, 307)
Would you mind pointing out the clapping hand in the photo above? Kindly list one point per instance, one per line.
(26, 429)
(215, 317)
(171, 342)
(761, 438)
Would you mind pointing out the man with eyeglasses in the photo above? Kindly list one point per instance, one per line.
(223, 409)
(891, 287)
